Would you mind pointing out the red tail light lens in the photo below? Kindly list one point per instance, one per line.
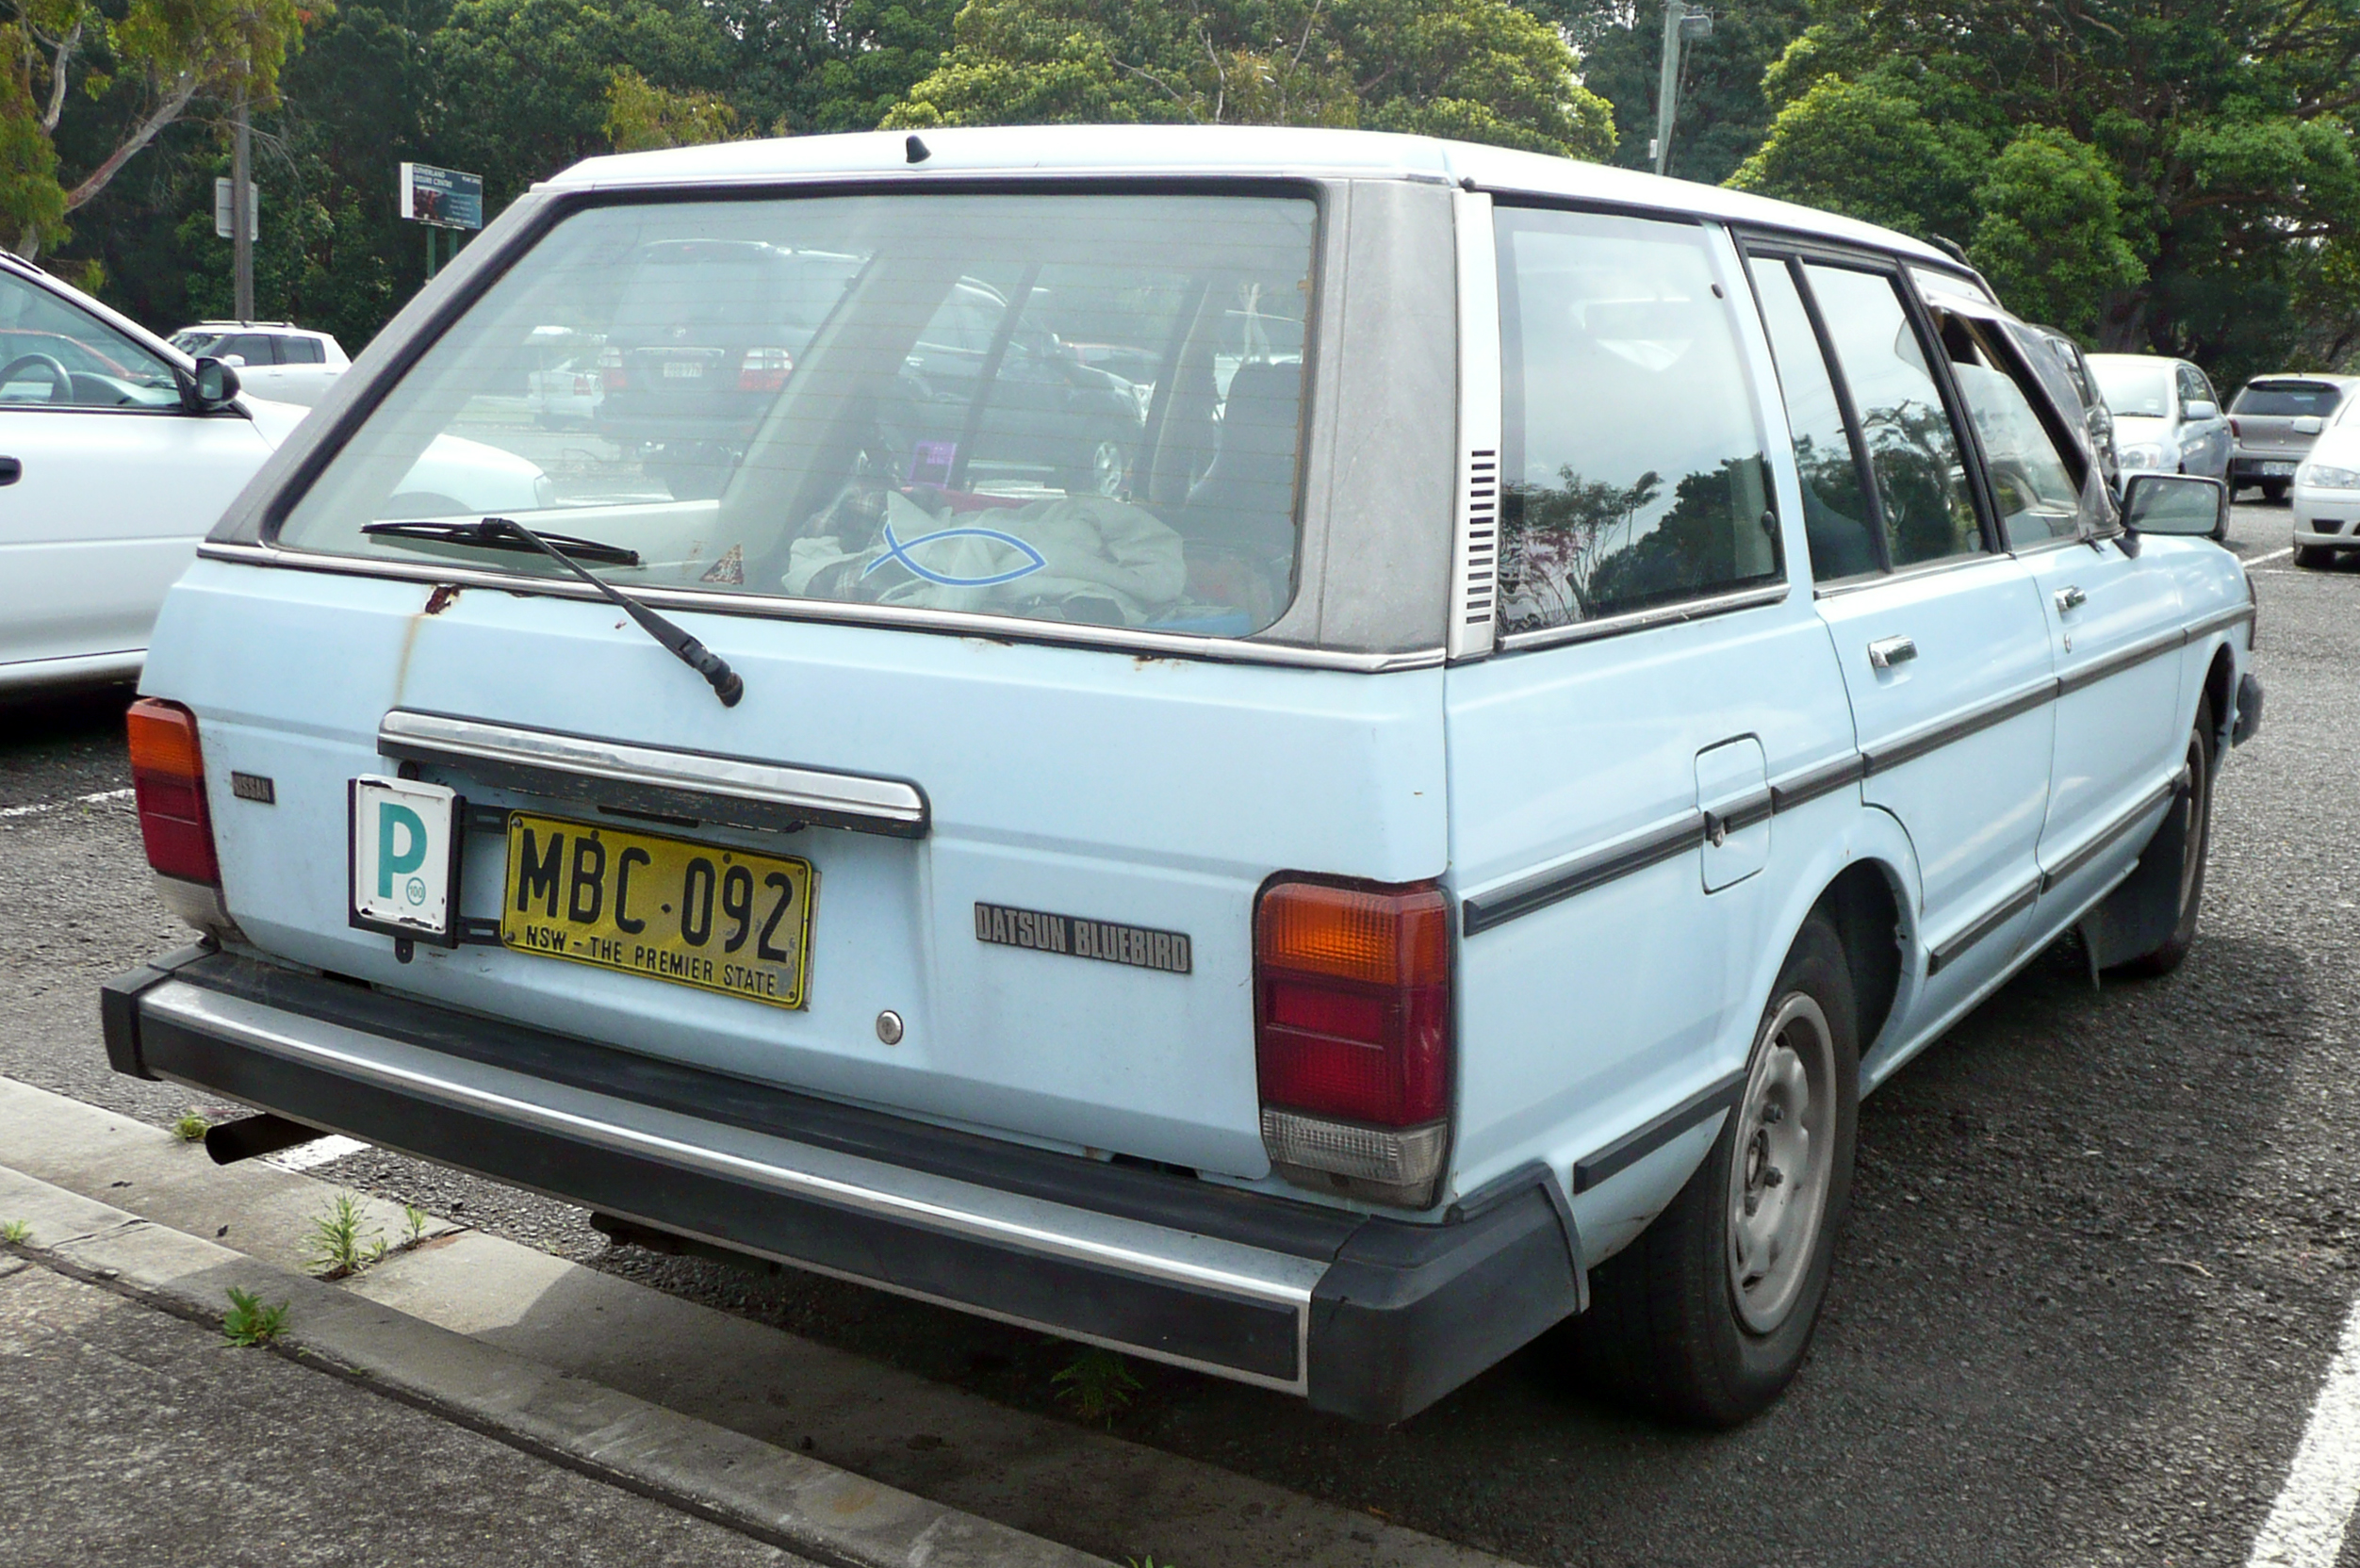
(2234, 432)
(1352, 1001)
(611, 369)
(168, 776)
(764, 369)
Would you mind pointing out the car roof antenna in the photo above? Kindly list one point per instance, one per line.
(726, 683)
(917, 150)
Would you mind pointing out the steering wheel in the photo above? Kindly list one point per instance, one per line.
(60, 379)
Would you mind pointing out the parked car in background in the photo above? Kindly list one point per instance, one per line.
(274, 360)
(566, 395)
(2167, 417)
(2274, 422)
(1431, 859)
(112, 465)
(2097, 420)
(2326, 492)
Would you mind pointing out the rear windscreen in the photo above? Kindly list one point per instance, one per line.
(2140, 388)
(1066, 407)
(2289, 399)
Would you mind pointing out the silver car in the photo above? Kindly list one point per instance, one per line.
(2167, 417)
(2273, 423)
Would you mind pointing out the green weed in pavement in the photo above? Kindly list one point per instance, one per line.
(248, 1322)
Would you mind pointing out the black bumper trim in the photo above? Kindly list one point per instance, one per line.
(1403, 1313)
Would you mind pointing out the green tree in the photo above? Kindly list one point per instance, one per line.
(640, 116)
(2227, 128)
(1723, 116)
(127, 72)
(2051, 235)
(525, 83)
(1866, 149)
(1475, 69)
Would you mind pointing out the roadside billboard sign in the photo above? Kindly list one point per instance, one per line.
(447, 198)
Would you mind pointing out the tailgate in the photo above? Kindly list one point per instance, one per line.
(1141, 797)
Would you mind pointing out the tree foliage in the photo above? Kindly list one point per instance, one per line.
(1722, 117)
(126, 71)
(2161, 174)
(1476, 69)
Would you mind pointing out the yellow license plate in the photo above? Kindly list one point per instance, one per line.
(695, 914)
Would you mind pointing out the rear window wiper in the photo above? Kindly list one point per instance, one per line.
(493, 533)
(503, 533)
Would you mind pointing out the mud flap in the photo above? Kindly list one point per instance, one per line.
(2139, 916)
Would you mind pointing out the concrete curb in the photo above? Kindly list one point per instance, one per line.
(785, 1498)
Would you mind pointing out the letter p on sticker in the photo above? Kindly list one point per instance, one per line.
(393, 818)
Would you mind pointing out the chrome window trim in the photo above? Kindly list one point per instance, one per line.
(997, 629)
(1021, 1224)
(695, 784)
(1640, 620)
(1922, 569)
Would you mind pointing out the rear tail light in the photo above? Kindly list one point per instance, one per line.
(611, 369)
(2234, 434)
(764, 369)
(1352, 1035)
(168, 778)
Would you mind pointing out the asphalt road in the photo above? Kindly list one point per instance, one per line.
(2102, 1247)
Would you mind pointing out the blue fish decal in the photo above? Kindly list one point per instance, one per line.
(898, 549)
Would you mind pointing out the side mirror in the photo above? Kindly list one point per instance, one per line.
(210, 388)
(2182, 505)
(2199, 411)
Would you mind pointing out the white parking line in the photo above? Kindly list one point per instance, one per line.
(2305, 1527)
(99, 799)
(318, 1151)
(2257, 559)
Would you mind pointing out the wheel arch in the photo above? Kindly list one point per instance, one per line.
(2221, 677)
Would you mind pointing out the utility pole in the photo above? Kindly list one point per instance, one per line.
(1682, 25)
(241, 227)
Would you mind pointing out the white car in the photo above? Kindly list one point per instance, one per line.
(286, 363)
(2167, 417)
(112, 467)
(2326, 494)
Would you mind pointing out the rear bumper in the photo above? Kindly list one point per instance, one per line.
(1365, 1316)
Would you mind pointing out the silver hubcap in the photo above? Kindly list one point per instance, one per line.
(1107, 468)
(1778, 1177)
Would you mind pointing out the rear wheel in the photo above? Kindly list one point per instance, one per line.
(1705, 1318)
(2273, 490)
(2186, 834)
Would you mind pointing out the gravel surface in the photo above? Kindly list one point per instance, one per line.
(2102, 1243)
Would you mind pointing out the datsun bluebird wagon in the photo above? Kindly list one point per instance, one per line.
(1564, 681)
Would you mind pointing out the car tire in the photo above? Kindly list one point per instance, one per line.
(1102, 470)
(2313, 557)
(2274, 490)
(1705, 1318)
(2189, 837)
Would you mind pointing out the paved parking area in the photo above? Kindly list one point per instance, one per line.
(2103, 1248)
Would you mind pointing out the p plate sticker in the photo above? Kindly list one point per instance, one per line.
(403, 857)
(1077, 937)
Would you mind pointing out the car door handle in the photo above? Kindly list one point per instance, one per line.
(2070, 597)
(1888, 651)
(10, 470)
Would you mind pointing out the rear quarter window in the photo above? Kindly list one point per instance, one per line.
(1633, 466)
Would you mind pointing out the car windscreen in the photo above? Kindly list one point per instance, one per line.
(2287, 398)
(1074, 407)
(2141, 388)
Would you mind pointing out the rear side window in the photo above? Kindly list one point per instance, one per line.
(2285, 398)
(1061, 407)
(301, 350)
(1913, 451)
(1634, 463)
(1838, 519)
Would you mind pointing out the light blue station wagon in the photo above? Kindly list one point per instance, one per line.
(1311, 754)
